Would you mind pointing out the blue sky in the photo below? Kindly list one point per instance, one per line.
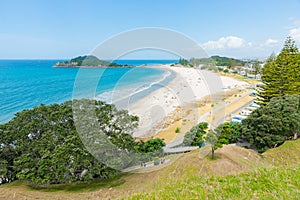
(65, 29)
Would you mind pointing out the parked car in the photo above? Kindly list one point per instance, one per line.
(254, 105)
(251, 108)
(246, 112)
(237, 119)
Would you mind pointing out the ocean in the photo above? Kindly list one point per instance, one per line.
(25, 84)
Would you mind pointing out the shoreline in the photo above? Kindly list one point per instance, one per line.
(181, 95)
(141, 92)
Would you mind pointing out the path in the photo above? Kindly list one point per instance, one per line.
(175, 145)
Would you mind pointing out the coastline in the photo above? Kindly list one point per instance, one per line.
(90, 67)
(171, 102)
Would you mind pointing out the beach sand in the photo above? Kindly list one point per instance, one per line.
(175, 101)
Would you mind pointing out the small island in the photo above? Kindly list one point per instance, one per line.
(88, 61)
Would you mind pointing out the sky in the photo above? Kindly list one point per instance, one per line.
(37, 29)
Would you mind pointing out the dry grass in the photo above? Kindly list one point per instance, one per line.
(194, 166)
(284, 155)
(231, 160)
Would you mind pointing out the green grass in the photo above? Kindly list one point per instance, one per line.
(278, 178)
(284, 155)
(241, 78)
(265, 183)
(72, 187)
(274, 175)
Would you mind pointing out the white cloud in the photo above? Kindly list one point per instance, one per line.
(229, 42)
(295, 33)
(296, 22)
(270, 42)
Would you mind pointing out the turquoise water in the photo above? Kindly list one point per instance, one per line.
(25, 84)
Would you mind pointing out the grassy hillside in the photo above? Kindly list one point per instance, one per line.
(276, 183)
(237, 173)
(284, 155)
(217, 60)
(274, 175)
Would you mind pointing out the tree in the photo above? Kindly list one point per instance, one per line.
(151, 145)
(7, 153)
(194, 136)
(270, 125)
(42, 145)
(280, 75)
(183, 62)
(232, 63)
(256, 68)
(213, 139)
(290, 46)
(229, 132)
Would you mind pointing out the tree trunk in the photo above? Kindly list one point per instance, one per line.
(212, 153)
(295, 136)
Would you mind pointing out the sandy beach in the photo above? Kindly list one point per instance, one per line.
(180, 96)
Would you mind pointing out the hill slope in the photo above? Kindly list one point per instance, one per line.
(284, 155)
(257, 180)
(217, 60)
(237, 173)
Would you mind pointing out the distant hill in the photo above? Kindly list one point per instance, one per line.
(87, 61)
(217, 61)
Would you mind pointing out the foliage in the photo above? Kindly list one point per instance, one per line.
(7, 153)
(43, 146)
(89, 61)
(229, 132)
(231, 63)
(216, 61)
(224, 61)
(177, 130)
(270, 125)
(149, 146)
(213, 139)
(194, 136)
(149, 150)
(183, 62)
(256, 68)
(280, 74)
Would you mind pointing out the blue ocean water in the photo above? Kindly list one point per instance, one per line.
(144, 62)
(25, 84)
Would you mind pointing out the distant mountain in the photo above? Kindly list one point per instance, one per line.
(225, 61)
(217, 60)
(87, 61)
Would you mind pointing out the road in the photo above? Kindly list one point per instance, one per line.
(176, 145)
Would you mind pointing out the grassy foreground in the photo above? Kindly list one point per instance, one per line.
(275, 176)
(237, 173)
(276, 183)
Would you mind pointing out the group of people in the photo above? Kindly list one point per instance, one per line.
(161, 161)
(143, 164)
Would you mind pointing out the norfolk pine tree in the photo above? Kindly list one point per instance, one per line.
(281, 74)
